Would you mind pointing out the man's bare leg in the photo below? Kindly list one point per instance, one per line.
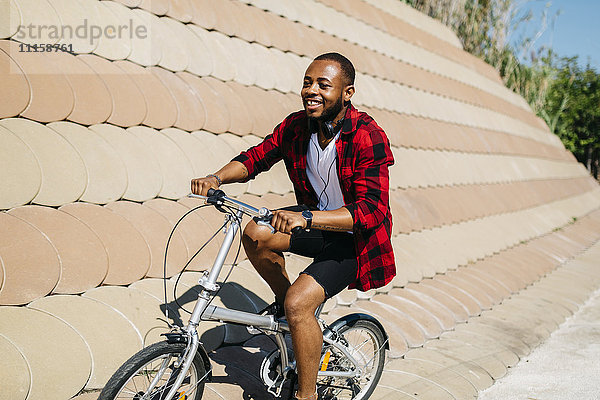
(265, 251)
(301, 301)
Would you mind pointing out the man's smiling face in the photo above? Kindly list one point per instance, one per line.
(325, 90)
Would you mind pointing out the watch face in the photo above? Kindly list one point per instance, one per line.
(307, 214)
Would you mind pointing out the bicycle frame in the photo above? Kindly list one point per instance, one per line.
(203, 311)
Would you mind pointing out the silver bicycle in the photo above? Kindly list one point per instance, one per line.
(352, 357)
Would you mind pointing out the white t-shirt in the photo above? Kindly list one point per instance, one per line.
(321, 168)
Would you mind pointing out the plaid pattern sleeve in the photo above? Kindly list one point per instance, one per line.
(264, 155)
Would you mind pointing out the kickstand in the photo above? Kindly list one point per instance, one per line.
(293, 382)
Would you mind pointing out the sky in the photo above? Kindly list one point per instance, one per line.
(574, 31)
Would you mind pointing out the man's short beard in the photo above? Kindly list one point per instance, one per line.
(333, 112)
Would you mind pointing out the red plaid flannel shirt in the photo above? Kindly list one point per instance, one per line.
(364, 156)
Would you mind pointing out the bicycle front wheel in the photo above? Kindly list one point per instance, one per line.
(366, 343)
(150, 374)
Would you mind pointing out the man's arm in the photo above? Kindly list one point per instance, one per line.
(339, 220)
(233, 172)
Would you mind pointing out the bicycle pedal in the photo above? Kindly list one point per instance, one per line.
(252, 330)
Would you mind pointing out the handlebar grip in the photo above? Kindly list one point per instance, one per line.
(296, 230)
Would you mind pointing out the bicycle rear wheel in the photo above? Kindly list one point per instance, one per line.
(156, 362)
(366, 343)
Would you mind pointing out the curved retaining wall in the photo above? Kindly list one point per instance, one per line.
(495, 223)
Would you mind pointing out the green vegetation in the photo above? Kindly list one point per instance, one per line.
(559, 90)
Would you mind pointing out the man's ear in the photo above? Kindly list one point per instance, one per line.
(348, 93)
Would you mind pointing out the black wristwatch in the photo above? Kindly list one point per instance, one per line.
(308, 216)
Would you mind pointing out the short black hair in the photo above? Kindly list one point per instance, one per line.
(345, 65)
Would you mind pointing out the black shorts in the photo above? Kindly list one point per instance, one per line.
(334, 264)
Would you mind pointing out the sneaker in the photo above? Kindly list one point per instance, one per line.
(275, 309)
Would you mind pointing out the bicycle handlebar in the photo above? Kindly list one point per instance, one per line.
(217, 197)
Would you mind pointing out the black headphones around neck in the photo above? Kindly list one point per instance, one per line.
(329, 128)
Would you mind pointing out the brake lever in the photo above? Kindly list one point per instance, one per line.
(265, 216)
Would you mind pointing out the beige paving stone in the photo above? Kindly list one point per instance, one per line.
(44, 105)
(424, 319)
(220, 56)
(192, 228)
(200, 60)
(241, 122)
(116, 48)
(461, 295)
(191, 114)
(128, 253)
(63, 172)
(506, 278)
(30, 262)
(175, 53)
(161, 108)
(15, 84)
(561, 305)
(110, 346)
(174, 166)
(553, 314)
(11, 20)
(14, 374)
(514, 343)
(106, 173)
(415, 385)
(129, 107)
(158, 7)
(144, 178)
(398, 332)
(93, 102)
(466, 352)
(490, 289)
(525, 317)
(500, 288)
(442, 314)
(484, 300)
(519, 327)
(501, 352)
(20, 171)
(458, 309)
(387, 392)
(346, 297)
(142, 309)
(88, 395)
(156, 231)
(75, 364)
(214, 223)
(191, 147)
(403, 330)
(478, 377)
(83, 259)
(450, 380)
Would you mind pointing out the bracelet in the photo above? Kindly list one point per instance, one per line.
(306, 398)
(219, 181)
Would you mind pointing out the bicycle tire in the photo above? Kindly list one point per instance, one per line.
(367, 343)
(131, 379)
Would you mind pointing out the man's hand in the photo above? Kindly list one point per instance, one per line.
(284, 221)
(201, 185)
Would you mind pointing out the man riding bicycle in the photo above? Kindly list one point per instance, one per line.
(337, 159)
